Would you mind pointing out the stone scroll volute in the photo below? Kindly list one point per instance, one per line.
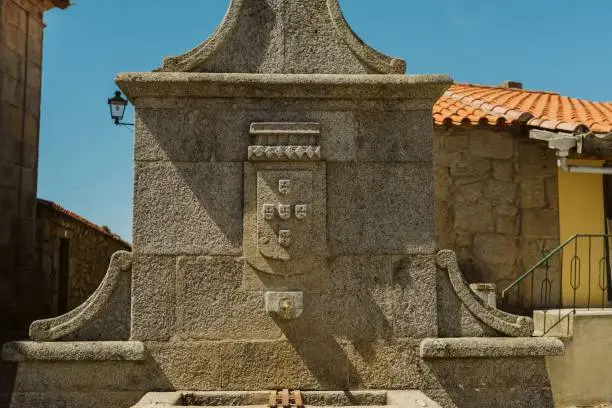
(285, 219)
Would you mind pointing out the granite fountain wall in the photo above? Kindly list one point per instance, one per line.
(284, 236)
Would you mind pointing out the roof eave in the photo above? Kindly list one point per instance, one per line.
(49, 4)
(61, 3)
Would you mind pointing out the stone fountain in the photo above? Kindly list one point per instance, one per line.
(283, 239)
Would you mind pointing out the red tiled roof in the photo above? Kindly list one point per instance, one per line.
(68, 213)
(465, 104)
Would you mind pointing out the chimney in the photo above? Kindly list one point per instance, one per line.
(511, 84)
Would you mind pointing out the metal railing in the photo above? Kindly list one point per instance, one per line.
(574, 275)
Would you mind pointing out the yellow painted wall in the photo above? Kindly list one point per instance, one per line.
(581, 211)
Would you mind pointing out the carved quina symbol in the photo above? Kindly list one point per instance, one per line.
(284, 238)
(284, 211)
(301, 211)
(268, 211)
(284, 186)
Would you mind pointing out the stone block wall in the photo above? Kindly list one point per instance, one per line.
(90, 250)
(21, 39)
(189, 280)
(197, 293)
(21, 32)
(496, 201)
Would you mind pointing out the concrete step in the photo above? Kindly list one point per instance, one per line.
(561, 322)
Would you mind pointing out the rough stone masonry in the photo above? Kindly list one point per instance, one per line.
(284, 237)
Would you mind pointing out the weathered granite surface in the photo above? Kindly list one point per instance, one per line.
(283, 36)
(105, 315)
(508, 324)
(74, 351)
(288, 170)
(497, 205)
(470, 347)
(199, 269)
(477, 379)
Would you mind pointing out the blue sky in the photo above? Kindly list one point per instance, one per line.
(86, 163)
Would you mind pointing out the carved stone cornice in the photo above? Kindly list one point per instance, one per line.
(143, 85)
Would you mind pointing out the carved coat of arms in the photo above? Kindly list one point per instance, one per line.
(284, 199)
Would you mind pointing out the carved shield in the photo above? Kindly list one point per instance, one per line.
(284, 211)
(283, 242)
(268, 211)
(284, 186)
(301, 211)
(284, 238)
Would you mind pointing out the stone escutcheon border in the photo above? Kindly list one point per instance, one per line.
(505, 323)
(491, 347)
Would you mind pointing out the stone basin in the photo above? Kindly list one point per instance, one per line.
(260, 399)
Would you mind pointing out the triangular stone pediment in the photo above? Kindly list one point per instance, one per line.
(284, 36)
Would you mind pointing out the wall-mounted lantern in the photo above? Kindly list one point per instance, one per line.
(117, 106)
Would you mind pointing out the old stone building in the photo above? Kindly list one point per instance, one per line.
(497, 199)
(499, 191)
(73, 255)
(284, 239)
(21, 39)
(70, 259)
(50, 259)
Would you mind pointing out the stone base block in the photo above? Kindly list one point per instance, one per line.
(91, 399)
(435, 398)
(511, 396)
(81, 374)
(486, 374)
(259, 398)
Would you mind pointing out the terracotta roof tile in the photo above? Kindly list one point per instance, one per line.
(497, 106)
(58, 208)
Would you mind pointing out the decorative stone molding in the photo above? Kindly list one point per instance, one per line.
(285, 219)
(284, 153)
(490, 347)
(74, 351)
(93, 308)
(273, 21)
(277, 133)
(285, 141)
(140, 87)
(505, 323)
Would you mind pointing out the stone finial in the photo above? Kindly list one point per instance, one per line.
(284, 36)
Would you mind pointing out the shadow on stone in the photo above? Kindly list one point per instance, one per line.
(322, 354)
(476, 382)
